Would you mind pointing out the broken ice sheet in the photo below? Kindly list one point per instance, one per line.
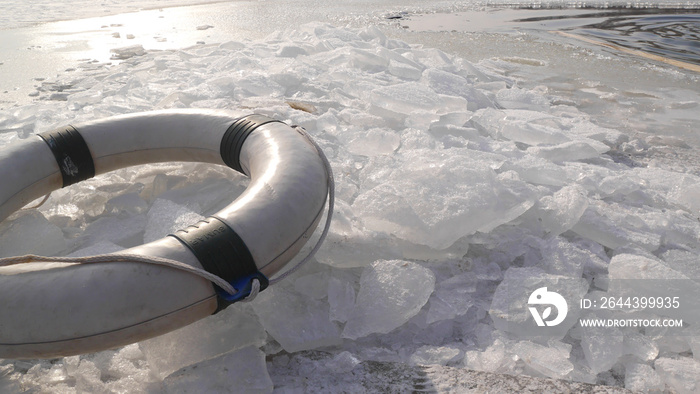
(434, 198)
(640, 346)
(615, 226)
(391, 292)
(242, 371)
(341, 299)
(570, 151)
(127, 52)
(490, 359)
(510, 308)
(31, 233)
(683, 261)
(233, 328)
(562, 210)
(455, 85)
(344, 362)
(124, 230)
(436, 355)
(373, 142)
(295, 321)
(166, 217)
(102, 247)
(642, 378)
(644, 275)
(680, 374)
(452, 297)
(550, 360)
(602, 347)
(562, 257)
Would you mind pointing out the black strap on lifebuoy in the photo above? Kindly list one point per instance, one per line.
(72, 154)
(222, 252)
(235, 136)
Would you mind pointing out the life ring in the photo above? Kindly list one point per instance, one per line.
(51, 310)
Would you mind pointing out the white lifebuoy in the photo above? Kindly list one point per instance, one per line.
(51, 310)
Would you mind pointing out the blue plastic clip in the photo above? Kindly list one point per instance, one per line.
(243, 286)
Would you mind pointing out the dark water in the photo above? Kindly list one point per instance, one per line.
(671, 33)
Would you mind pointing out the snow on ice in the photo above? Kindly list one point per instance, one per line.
(454, 186)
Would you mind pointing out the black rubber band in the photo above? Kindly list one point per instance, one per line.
(235, 136)
(220, 251)
(72, 154)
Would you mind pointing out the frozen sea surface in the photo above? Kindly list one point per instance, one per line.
(458, 180)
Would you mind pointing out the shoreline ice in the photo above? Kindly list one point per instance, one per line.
(448, 172)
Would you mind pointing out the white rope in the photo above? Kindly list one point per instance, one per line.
(254, 290)
(40, 203)
(124, 258)
(133, 258)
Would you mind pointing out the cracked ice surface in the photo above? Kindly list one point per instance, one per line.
(471, 186)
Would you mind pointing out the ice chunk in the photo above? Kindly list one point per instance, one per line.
(166, 217)
(127, 52)
(642, 378)
(551, 361)
(30, 233)
(640, 346)
(350, 244)
(602, 347)
(102, 247)
(561, 211)
(638, 274)
(606, 225)
(680, 374)
(123, 230)
(569, 151)
(242, 371)
(436, 355)
(366, 60)
(344, 362)
(683, 261)
(406, 98)
(458, 119)
(434, 198)
(509, 307)
(630, 266)
(391, 292)
(341, 298)
(296, 322)
(561, 257)
(516, 98)
(127, 202)
(88, 378)
(452, 297)
(447, 83)
(620, 185)
(259, 85)
(489, 360)
(291, 51)
(404, 70)
(538, 171)
(527, 127)
(233, 328)
(533, 133)
(374, 142)
(313, 285)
